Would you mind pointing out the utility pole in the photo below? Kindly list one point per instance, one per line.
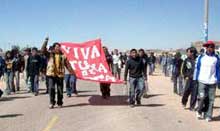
(206, 20)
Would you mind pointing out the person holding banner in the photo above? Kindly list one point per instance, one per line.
(55, 72)
(137, 77)
(105, 87)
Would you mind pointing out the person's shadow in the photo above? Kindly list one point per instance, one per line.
(217, 118)
(10, 115)
(119, 100)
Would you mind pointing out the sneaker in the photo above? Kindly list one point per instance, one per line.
(75, 95)
(68, 95)
(60, 106)
(36, 94)
(51, 106)
(184, 106)
(132, 105)
(208, 119)
(192, 109)
(199, 115)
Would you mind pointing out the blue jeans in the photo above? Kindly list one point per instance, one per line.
(34, 79)
(17, 78)
(178, 85)
(136, 89)
(206, 96)
(70, 84)
(152, 67)
(9, 76)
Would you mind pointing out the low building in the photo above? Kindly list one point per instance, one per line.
(198, 45)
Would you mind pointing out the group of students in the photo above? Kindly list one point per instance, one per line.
(33, 63)
(52, 64)
(198, 76)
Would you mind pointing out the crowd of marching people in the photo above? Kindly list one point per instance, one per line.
(197, 75)
(194, 74)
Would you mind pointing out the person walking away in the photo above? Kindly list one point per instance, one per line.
(55, 72)
(208, 76)
(34, 65)
(137, 77)
(187, 71)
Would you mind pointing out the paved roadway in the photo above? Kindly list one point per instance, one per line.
(161, 111)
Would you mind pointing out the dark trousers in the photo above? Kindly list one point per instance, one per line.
(105, 89)
(47, 84)
(34, 79)
(56, 82)
(190, 89)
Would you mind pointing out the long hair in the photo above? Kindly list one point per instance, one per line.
(6, 55)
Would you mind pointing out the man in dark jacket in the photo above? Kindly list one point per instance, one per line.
(187, 72)
(137, 77)
(33, 69)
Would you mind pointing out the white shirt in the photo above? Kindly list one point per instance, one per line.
(207, 71)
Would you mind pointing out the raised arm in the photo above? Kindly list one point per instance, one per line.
(44, 46)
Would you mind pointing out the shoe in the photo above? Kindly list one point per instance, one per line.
(132, 105)
(1, 92)
(60, 106)
(108, 94)
(184, 106)
(68, 95)
(75, 95)
(104, 97)
(208, 119)
(199, 115)
(192, 109)
(36, 94)
(138, 102)
(51, 106)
